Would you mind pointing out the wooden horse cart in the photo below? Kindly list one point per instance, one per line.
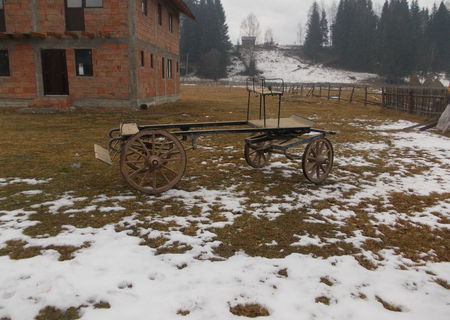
(153, 159)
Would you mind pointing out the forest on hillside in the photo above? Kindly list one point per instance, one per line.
(403, 39)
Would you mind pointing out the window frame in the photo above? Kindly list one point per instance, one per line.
(2, 17)
(77, 58)
(7, 72)
(163, 67)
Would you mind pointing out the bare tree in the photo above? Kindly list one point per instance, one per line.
(250, 26)
(300, 33)
(268, 37)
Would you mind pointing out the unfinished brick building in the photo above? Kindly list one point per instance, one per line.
(89, 53)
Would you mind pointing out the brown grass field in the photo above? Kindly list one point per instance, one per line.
(46, 146)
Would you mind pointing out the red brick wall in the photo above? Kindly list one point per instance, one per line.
(111, 73)
(113, 18)
(51, 16)
(18, 16)
(147, 75)
(22, 82)
(149, 30)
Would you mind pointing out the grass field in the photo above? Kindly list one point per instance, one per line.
(373, 242)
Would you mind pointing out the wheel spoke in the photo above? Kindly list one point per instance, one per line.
(164, 176)
(172, 159)
(144, 147)
(136, 162)
(135, 151)
(154, 179)
(136, 172)
(169, 169)
(141, 183)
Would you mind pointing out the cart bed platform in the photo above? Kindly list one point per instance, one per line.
(294, 121)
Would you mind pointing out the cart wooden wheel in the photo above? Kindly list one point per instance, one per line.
(258, 154)
(153, 161)
(318, 160)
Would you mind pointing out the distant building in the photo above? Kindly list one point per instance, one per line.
(110, 53)
(248, 41)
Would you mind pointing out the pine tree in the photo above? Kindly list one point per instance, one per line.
(438, 33)
(206, 41)
(353, 34)
(395, 47)
(314, 37)
(324, 28)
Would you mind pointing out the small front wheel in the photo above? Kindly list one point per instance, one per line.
(258, 154)
(318, 160)
(153, 161)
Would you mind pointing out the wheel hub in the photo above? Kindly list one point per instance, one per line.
(154, 162)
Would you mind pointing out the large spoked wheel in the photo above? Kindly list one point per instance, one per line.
(153, 161)
(258, 154)
(318, 160)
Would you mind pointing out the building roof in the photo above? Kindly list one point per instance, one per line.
(182, 7)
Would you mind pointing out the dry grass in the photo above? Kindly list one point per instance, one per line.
(52, 313)
(389, 306)
(252, 310)
(46, 145)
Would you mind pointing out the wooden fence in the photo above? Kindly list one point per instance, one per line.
(341, 92)
(428, 101)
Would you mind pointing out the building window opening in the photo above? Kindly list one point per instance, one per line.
(93, 4)
(170, 22)
(163, 66)
(75, 12)
(142, 59)
(2, 16)
(151, 61)
(83, 63)
(178, 67)
(4, 63)
(159, 14)
(169, 69)
(144, 7)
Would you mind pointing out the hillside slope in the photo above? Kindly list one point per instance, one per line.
(277, 63)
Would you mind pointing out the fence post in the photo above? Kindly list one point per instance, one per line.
(329, 89)
(365, 95)
(301, 92)
(340, 91)
(411, 101)
(351, 95)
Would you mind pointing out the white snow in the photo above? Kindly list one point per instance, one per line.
(138, 283)
(275, 63)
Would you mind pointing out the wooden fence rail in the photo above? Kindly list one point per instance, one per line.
(427, 101)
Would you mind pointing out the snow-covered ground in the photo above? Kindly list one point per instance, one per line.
(274, 63)
(139, 284)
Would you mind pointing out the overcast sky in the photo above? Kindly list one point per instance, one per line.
(282, 16)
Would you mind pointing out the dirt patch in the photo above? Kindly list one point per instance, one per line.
(252, 310)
